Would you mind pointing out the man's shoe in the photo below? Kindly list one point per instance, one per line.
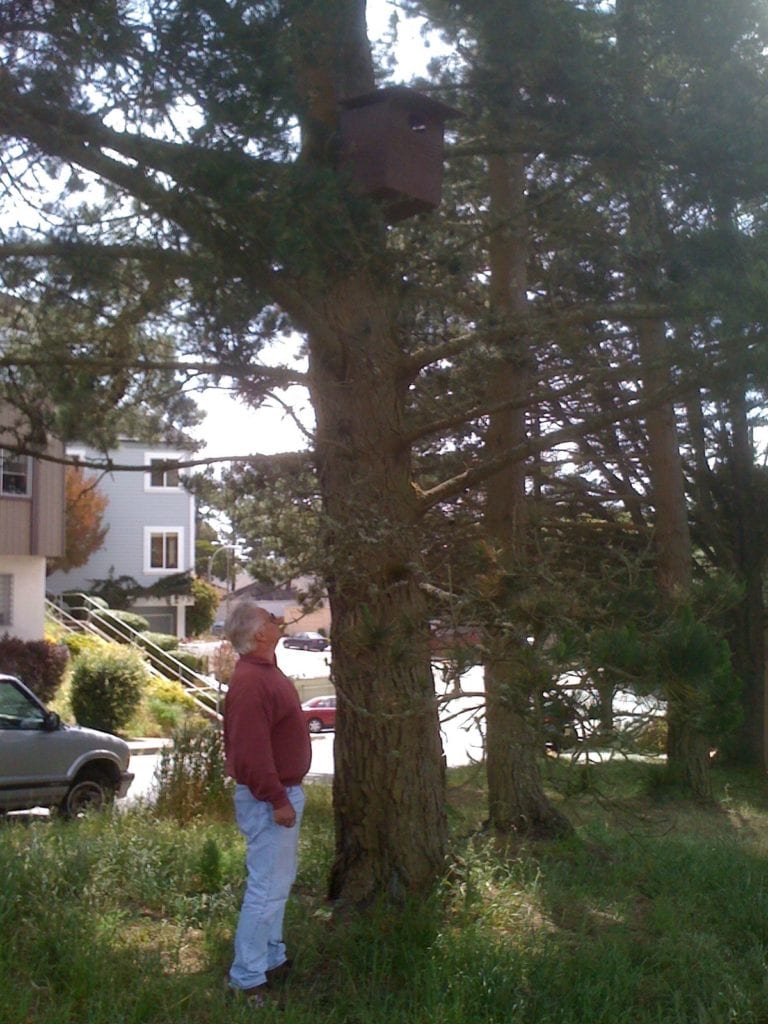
(279, 973)
(256, 997)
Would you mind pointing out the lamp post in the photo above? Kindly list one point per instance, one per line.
(222, 547)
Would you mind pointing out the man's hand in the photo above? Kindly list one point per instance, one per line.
(285, 816)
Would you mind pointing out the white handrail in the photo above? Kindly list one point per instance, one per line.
(205, 691)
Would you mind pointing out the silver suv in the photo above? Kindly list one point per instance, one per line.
(44, 763)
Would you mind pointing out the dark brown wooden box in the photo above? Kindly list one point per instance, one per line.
(392, 144)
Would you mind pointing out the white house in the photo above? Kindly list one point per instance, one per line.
(151, 535)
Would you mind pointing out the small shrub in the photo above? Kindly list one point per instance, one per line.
(80, 605)
(107, 687)
(164, 641)
(193, 661)
(651, 737)
(223, 661)
(38, 663)
(113, 621)
(167, 706)
(209, 866)
(168, 717)
(170, 692)
(201, 616)
(191, 779)
(80, 643)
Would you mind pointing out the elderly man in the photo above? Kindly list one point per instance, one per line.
(268, 753)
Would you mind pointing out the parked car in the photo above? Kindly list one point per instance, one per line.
(320, 713)
(307, 641)
(44, 763)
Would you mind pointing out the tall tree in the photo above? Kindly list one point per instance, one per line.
(186, 120)
(84, 507)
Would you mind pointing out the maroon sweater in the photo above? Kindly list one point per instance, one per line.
(266, 741)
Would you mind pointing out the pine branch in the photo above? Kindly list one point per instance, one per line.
(83, 140)
(275, 376)
(287, 462)
(481, 471)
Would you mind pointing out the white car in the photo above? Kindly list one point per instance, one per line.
(44, 763)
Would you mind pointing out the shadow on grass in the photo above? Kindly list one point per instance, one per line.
(653, 913)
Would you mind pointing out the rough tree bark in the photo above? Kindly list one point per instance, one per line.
(749, 553)
(687, 747)
(516, 796)
(389, 785)
(389, 776)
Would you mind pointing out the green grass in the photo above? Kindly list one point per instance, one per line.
(655, 912)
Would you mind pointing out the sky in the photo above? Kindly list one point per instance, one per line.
(230, 428)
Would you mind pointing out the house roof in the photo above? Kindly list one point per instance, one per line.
(265, 592)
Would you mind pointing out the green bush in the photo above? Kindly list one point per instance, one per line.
(80, 643)
(38, 663)
(201, 616)
(80, 605)
(193, 661)
(165, 707)
(169, 691)
(107, 687)
(169, 717)
(113, 621)
(165, 641)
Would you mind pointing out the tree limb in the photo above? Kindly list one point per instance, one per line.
(275, 376)
(480, 472)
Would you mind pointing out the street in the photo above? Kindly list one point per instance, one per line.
(461, 734)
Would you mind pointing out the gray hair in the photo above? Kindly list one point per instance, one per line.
(243, 620)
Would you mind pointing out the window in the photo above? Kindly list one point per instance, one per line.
(16, 709)
(6, 600)
(163, 550)
(161, 476)
(15, 473)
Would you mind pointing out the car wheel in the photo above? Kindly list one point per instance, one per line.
(315, 725)
(91, 791)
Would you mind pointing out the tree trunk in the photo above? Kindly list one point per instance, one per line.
(515, 792)
(687, 753)
(389, 784)
(389, 779)
(748, 638)
(687, 749)
(647, 227)
(670, 524)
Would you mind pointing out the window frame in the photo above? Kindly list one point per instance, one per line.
(166, 532)
(165, 487)
(27, 460)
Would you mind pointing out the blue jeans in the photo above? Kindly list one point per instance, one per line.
(271, 860)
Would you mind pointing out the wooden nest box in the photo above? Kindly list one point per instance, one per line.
(392, 144)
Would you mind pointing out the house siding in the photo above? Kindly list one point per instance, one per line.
(135, 511)
(31, 530)
(15, 526)
(33, 524)
(48, 518)
(132, 508)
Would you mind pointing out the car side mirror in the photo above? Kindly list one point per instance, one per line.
(51, 722)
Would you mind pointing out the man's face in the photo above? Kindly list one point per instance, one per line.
(271, 629)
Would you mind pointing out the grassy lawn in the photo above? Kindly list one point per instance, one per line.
(656, 911)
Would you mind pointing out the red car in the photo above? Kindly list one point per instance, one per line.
(320, 713)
